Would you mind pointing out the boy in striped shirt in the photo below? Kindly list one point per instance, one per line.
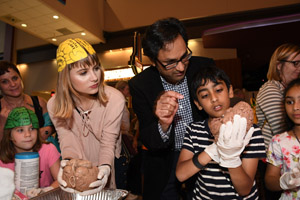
(225, 168)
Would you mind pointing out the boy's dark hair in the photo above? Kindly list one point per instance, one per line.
(160, 33)
(4, 66)
(208, 73)
(289, 122)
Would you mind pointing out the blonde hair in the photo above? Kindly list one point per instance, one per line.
(120, 85)
(283, 52)
(64, 103)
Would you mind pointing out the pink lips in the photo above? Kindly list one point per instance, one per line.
(94, 86)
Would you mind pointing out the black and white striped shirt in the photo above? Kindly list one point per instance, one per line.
(213, 182)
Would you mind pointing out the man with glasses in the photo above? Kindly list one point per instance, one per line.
(161, 100)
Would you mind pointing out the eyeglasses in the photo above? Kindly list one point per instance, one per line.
(183, 59)
(296, 63)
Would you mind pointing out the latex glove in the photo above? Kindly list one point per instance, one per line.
(290, 180)
(37, 191)
(212, 151)
(232, 141)
(62, 183)
(104, 172)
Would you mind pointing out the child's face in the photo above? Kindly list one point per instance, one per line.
(292, 104)
(214, 98)
(24, 138)
(86, 80)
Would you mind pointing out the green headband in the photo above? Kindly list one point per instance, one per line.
(21, 116)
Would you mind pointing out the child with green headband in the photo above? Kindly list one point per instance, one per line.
(86, 113)
(21, 135)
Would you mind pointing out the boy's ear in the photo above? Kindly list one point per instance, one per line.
(231, 95)
(198, 105)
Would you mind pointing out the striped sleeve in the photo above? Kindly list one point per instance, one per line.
(256, 147)
(270, 110)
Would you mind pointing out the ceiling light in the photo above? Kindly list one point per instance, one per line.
(54, 39)
(24, 25)
(83, 33)
(55, 16)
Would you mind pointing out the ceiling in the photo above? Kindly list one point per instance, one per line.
(40, 22)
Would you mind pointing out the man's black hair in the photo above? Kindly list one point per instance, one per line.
(161, 33)
(209, 73)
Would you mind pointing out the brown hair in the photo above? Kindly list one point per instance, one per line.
(283, 52)
(7, 147)
(65, 93)
(120, 85)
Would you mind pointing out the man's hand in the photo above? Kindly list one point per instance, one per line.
(166, 108)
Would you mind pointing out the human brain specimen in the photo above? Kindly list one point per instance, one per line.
(79, 174)
(241, 108)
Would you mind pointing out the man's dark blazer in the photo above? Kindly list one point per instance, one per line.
(145, 89)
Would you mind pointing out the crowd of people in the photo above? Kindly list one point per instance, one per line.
(175, 102)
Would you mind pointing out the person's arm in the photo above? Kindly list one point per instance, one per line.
(240, 151)
(144, 96)
(54, 172)
(47, 130)
(136, 136)
(3, 116)
(185, 162)
(111, 127)
(272, 177)
(242, 177)
(143, 103)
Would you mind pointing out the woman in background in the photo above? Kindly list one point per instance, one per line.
(11, 87)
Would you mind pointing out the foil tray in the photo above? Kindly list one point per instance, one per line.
(105, 194)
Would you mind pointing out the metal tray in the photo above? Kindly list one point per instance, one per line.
(59, 194)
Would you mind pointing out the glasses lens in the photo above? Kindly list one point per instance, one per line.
(187, 57)
(171, 65)
(296, 63)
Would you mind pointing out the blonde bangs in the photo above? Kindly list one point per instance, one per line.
(283, 52)
(64, 102)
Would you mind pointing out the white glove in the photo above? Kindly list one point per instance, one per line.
(232, 141)
(212, 151)
(290, 180)
(62, 183)
(104, 172)
(37, 191)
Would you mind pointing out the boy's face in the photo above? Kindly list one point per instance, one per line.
(24, 138)
(214, 98)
